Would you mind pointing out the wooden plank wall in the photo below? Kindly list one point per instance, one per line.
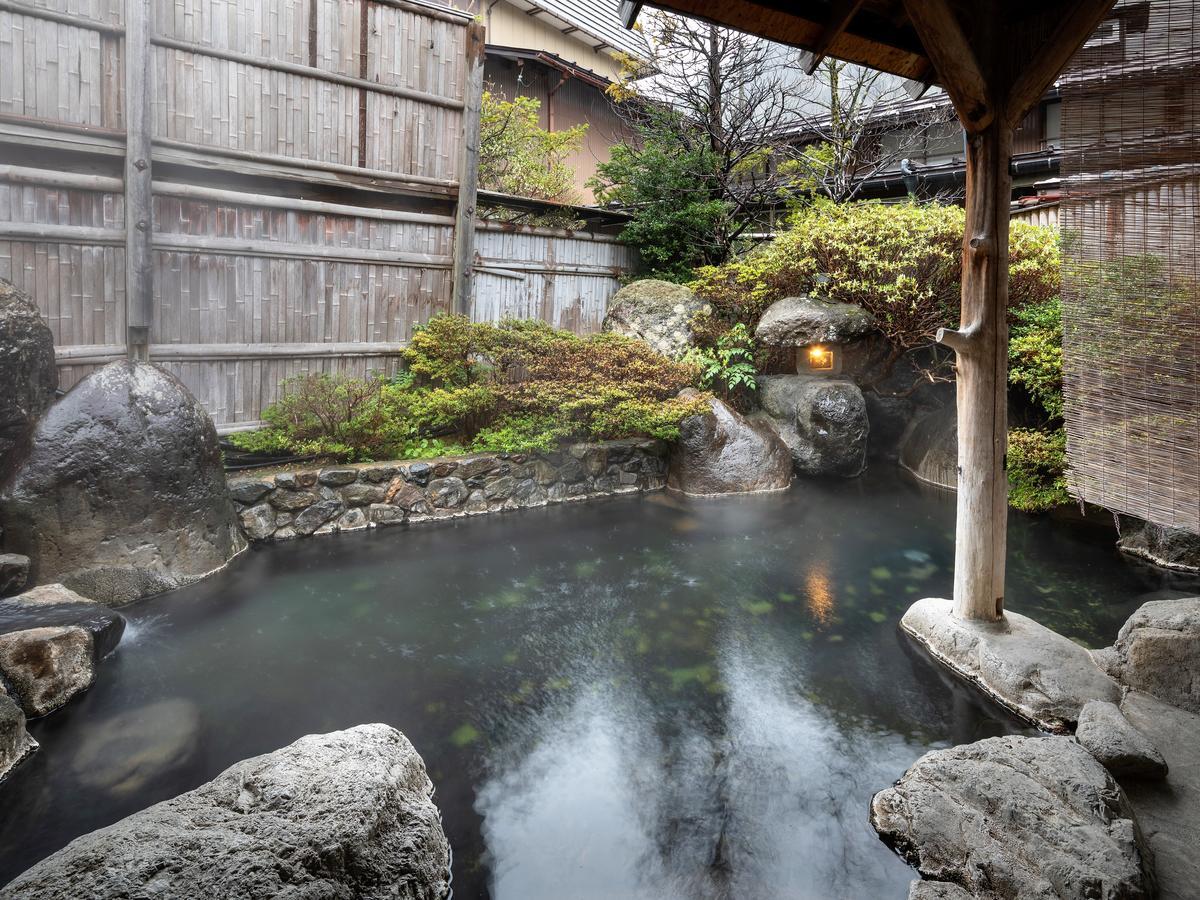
(565, 278)
(256, 281)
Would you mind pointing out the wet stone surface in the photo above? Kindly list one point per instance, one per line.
(347, 498)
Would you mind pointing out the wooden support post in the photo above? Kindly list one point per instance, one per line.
(982, 348)
(468, 173)
(139, 212)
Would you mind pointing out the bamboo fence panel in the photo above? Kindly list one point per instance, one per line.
(1131, 294)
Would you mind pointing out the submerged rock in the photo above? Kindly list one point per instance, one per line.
(655, 312)
(346, 814)
(46, 667)
(1158, 651)
(1172, 548)
(800, 321)
(15, 742)
(722, 452)
(122, 491)
(128, 751)
(1017, 818)
(27, 368)
(1106, 734)
(822, 420)
(1034, 671)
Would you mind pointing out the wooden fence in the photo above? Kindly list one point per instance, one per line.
(282, 193)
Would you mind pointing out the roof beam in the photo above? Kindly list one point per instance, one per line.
(1073, 27)
(954, 60)
(840, 14)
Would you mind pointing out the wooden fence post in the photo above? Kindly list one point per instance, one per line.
(468, 172)
(139, 212)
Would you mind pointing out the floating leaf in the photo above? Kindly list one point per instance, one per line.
(758, 607)
(464, 734)
(881, 573)
(878, 617)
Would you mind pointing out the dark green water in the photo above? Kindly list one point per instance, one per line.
(643, 698)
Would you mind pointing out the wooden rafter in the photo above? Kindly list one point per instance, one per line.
(954, 59)
(840, 14)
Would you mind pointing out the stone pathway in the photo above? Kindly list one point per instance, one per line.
(1169, 811)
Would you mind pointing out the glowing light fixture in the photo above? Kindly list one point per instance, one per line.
(820, 358)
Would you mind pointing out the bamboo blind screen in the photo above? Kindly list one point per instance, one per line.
(1131, 291)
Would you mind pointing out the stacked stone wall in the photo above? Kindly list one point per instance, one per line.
(347, 498)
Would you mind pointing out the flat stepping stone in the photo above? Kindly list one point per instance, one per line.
(1106, 734)
(1031, 670)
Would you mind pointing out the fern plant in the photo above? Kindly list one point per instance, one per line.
(727, 368)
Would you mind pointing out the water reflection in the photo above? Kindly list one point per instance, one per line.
(819, 592)
(750, 784)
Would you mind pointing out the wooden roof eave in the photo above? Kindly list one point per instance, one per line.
(814, 32)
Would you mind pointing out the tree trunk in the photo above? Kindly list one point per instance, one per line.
(982, 347)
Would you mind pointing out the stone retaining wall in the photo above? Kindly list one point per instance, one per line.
(347, 498)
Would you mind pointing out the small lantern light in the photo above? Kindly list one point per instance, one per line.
(819, 359)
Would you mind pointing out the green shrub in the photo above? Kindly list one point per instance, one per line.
(519, 386)
(902, 262)
(1035, 355)
(1036, 465)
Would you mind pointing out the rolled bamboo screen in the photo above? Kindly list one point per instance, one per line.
(1131, 292)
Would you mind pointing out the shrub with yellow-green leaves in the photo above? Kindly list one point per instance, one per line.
(902, 262)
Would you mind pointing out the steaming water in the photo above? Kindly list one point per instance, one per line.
(645, 698)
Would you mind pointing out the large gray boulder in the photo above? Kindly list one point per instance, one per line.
(1017, 818)
(658, 313)
(822, 420)
(121, 493)
(341, 815)
(1023, 665)
(27, 368)
(15, 742)
(1105, 733)
(1158, 652)
(46, 667)
(723, 452)
(800, 321)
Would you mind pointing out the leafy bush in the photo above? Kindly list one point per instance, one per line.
(679, 219)
(1037, 462)
(519, 386)
(518, 156)
(1035, 355)
(901, 262)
